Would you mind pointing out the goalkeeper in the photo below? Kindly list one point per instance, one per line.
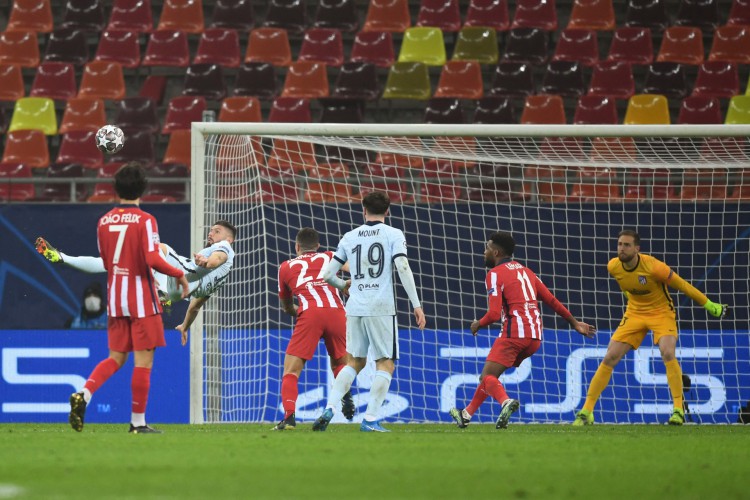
(644, 280)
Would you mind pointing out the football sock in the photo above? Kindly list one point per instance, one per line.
(494, 388)
(138, 419)
(598, 384)
(477, 400)
(85, 264)
(378, 391)
(139, 385)
(674, 379)
(101, 374)
(289, 393)
(341, 386)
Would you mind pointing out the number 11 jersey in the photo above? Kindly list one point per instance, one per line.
(302, 277)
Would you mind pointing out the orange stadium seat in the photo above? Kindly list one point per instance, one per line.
(20, 48)
(328, 192)
(181, 15)
(240, 109)
(131, 15)
(295, 155)
(270, 45)
(387, 15)
(592, 15)
(178, 148)
(28, 147)
(181, 111)
(83, 114)
(731, 44)
(11, 83)
(330, 171)
(102, 80)
(31, 15)
(596, 193)
(681, 45)
(460, 79)
(488, 13)
(306, 80)
(543, 109)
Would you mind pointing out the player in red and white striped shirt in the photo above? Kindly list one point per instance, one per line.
(128, 240)
(320, 314)
(514, 293)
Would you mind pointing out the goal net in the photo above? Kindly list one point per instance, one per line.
(564, 192)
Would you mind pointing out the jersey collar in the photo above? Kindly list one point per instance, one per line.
(373, 222)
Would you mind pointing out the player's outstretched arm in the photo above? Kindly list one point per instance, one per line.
(678, 283)
(190, 315)
(716, 310)
(588, 331)
(212, 261)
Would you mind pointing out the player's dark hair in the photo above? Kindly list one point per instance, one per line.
(504, 241)
(376, 203)
(228, 225)
(630, 232)
(130, 181)
(308, 238)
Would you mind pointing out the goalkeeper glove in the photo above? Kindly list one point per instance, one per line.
(716, 310)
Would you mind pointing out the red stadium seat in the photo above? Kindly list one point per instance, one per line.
(119, 46)
(739, 13)
(374, 47)
(322, 45)
(167, 191)
(181, 15)
(488, 13)
(387, 15)
(592, 15)
(295, 155)
(218, 46)
(167, 48)
(55, 80)
(703, 186)
(131, 15)
(577, 46)
(28, 147)
(139, 147)
(441, 14)
(398, 192)
(136, 114)
(594, 193)
(84, 15)
(612, 79)
(290, 15)
(15, 191)
(240, 109)
(83, 114)
(632, 45)
(700, 110)
(337, 14)
(269, 45)
(20, 48)
(540, 14)
(182, 111)
(596, 110)
(437, 192)
(717, 79)
(154, 87)
(80, 147)
(290, 110)
(31, 15)
(11, 83)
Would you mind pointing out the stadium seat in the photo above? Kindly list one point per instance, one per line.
(540, 14)
(702, 14)
(20, 48)
(731, 44)
(54, 80)
(218, 46)
(596, 110)
(167, 48)
(526, 45)
(290, 15)
(739, 13)
(374, 47)
(666, 78)
(424, 45)
(322, 45)
(274, 192)
(543, 110)
(34, 113)
(11, 83)
(357, 80)
(385, 160)
(442, 168)
(205, 80)
(119, 46)
(338, 110)
(577, 46)
(632, 45)
(137, 113)
(258, 80)
(238, 156)
(328, 192)
(58, 191)
(233, 15)
(269, 45)
(547, 191)
(496, 191)
(30, 15)
(681, 44)
(178, 148)
(28, 147)
(240, 109)
(337, 14)
(460, 79)
(740, 192)
(102, 80)
(306, 80)
(612, 79)
(290, 110)
(154, 88)
(139, 147)
(15, 191)
(440, 192)
(181, 15)
(408, 81)
(488, 13)
(131, 15)
(492, 110)
(83, 114)
(594, 193)
(699, 110)
(171, 191)
(80, 147)
(295, 155)
(699, 186)
(398, 192)
(182, 111)
(443, 111)
(647, 109)
(84, 15)
(104, 192)
(564, 78)
(512, 79)
(441, 14)
(387, 15)
(650, 14)
(476, 44)
(738, 112)
(330, 171)
(717, 79)
(592, 15)
(67, 45)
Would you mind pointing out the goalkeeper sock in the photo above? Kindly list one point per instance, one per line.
(674, 379)
(101, 374)
(85, 264)
(598, 384)
(378, 392)
(139, 385)
(289, 393)
(341, 386)
(494, 388)
(476, 401)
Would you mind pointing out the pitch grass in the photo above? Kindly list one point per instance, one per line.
(414, 461)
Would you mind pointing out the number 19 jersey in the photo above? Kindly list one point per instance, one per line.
(302, 277)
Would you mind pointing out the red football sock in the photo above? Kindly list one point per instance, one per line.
(101, 374)
(494, 388)
(289, 392)
(139, 385)
(477, 400)
(337, 369)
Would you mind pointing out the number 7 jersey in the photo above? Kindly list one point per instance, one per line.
(302, 277)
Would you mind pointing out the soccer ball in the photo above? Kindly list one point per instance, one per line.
(110, 139)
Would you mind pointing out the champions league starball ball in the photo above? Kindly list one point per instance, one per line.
(110, 139)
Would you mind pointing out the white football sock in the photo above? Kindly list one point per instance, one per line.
(86, 395)
(138, 419)
(378, 391)
(341, 386)
(85, 264)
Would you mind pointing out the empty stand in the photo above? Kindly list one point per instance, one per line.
(290, 110)
(666, 78)
(83, 114)
(577, 45)
(592, 15)
(387, 15)
(647, 109)
(269, 45)
(28, 147)
(54, 80)
(460, 79)
(11, 83)
(513, 79)
(565, 78)
(20, 48)
(36, 113)
(154, 88)
(488, 13)
(119, 46)
(612, 79)
(102, 80)
(495, 111)
(702, 14)
(181, 111)
(67, 45)
(681, 44)
(257, 79)
(84, 15)
(167, 48)
(477, 44)
(80, 147)
(307, 80)
(632, 45)
(61, 191)
(137, 114)
(731, 44)
(205, 80)
(717, 79)
(171, 191)
(337, 14)
(595, 110)
(647, 14)
(337, 110)
(443, 110)
(233, 14)
(409, 80)
(357, 80)
(240, 109)
(290, 15)
(15, 191)
(178, 148)
(543, 110)
(698, 110)
(526, 45)
(374, 47)
(30, 15)
(322, 45)
(441, 14)
(541, 14)
(131, 15)
(739, 13)
(424, 45)
(219, 46)
(594, 193)
(182, 15)
(139, 147)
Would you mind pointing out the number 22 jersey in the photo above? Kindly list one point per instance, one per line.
(302, 277)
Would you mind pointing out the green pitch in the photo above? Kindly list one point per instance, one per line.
(414, 461)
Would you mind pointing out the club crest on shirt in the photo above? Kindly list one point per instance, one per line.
(642, 280)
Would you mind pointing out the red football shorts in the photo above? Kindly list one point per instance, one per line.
(316, 323)
(510, 352)
(128, 334)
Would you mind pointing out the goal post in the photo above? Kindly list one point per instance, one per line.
(563, 191)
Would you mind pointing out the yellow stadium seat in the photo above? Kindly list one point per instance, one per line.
(408, 81)
(647, 109)
(34, 113)
(739, 111)
(423, 45)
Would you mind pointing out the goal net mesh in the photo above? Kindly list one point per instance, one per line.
(565, 199)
